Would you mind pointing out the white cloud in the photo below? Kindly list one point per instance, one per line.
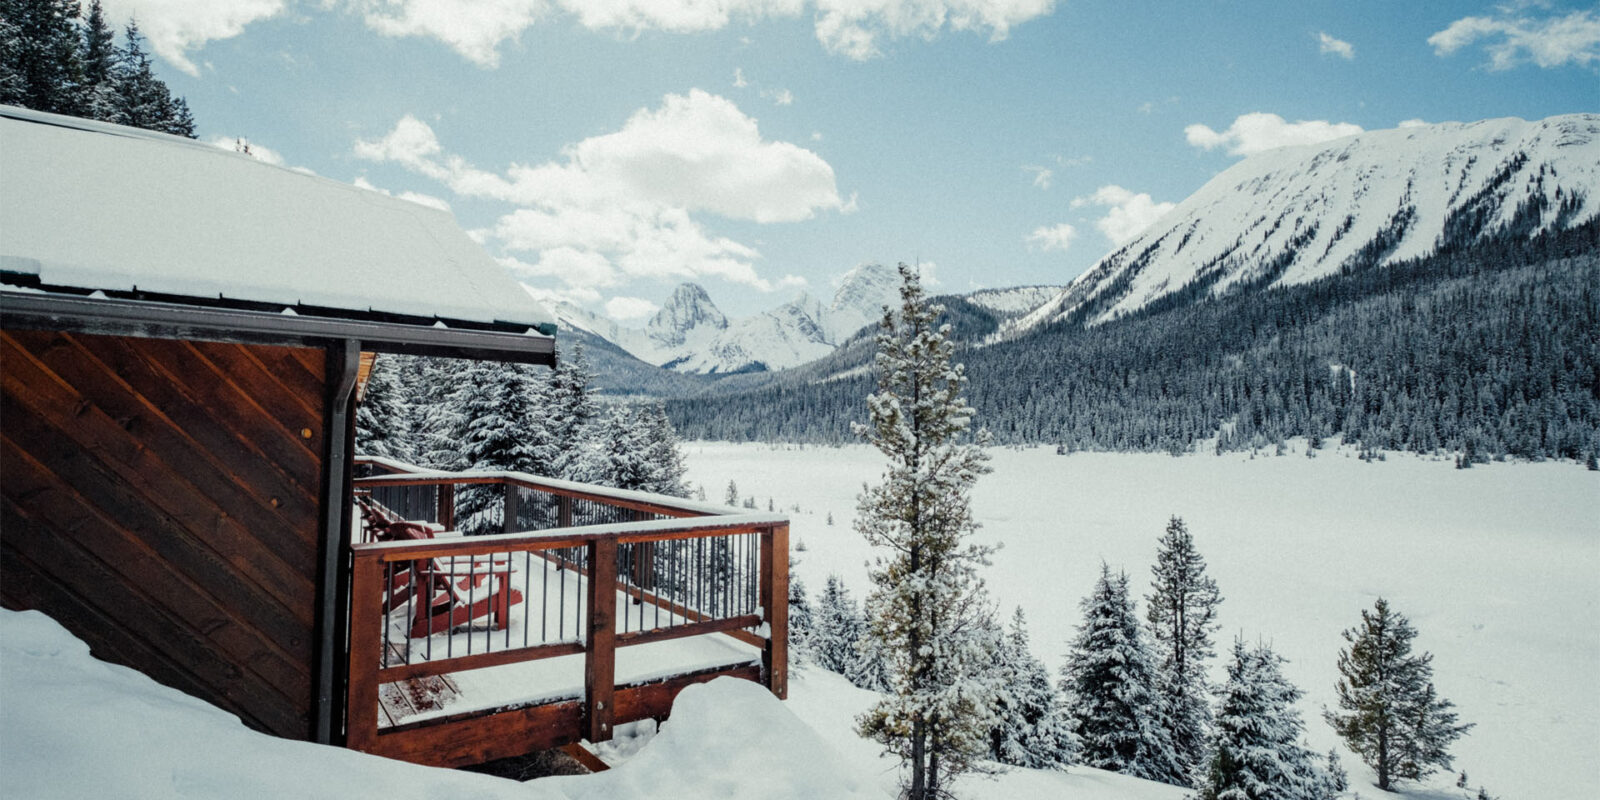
(240, 145)
(782, 97)
(1550, 42)
(1335, 47)
(1128, 215)
(1053, 237)
(1255, 132)
(738, 78)
(621, 204)
(175, 27)
(852, 28)
(624, 309)
(1041, 175)
(1412, 123)
(473, 28)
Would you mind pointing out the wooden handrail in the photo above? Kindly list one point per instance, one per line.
(402, 474)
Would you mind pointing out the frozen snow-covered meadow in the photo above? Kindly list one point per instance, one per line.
(1497, 566)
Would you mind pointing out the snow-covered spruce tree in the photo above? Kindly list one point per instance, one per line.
(499, 417)
(614, 452)
(569, 408)
(1393, 718)
(1182, 615)
(926, 609)
(383, 420)
(1256, 750)
(1031, 729)
(1110, 685)
(802, 622)
(837, 629)
(663, 458)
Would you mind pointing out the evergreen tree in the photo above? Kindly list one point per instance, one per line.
(731, 497)
(1182, 614)
(100, 58)
(1393, 717)
(615, 453)
(837, 629)
(43, 62)
(498, 411)
(568, 411)
(1110, 685)
(1031, 727)
(383, 419)
(1256, 749)
(143, 100)
(663, 458)
(926, 609)
(802, 622)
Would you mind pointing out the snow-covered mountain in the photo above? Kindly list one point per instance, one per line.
(690, 334)
(1295, 214)
(1015, 300)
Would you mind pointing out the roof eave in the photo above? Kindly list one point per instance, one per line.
(44, 311)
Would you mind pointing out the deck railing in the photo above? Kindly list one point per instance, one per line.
(584, 569)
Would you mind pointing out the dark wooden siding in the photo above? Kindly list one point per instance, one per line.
(160, 499)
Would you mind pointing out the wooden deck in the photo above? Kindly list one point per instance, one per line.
(605, 623)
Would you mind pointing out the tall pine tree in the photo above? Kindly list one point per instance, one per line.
(1182, 615)
(926, 610)
(1393, 718)
(1110, 684)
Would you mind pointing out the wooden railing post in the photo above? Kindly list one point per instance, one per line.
(366, 651)
(774, 596)
(508, 519)
(600, 654)
(563, 511)
(447, 506)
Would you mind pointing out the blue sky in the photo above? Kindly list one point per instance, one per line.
(606, 151)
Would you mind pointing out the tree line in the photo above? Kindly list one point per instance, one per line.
(56, 58)
(1485, 350)
(1133, 696)
(457, 415)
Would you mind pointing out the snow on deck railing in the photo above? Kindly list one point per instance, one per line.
(402, 473)
(636, 568)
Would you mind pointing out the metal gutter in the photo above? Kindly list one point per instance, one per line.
(44, 311)
(344, 362)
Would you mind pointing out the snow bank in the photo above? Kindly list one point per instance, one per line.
(75, 727)
(729, 738)
(79, 728)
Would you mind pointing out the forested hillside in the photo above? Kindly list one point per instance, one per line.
(1489, 348)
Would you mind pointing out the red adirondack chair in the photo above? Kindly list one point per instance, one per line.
(445, 593)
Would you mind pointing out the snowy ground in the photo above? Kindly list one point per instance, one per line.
(80, 729)
(1498, 567)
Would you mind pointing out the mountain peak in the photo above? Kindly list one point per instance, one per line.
(689, 310)
(1296, 214)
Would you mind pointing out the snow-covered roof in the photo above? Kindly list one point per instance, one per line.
(91, 206)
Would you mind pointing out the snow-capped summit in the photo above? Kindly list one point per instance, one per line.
(1295, 214)
(859, 300)
(687, 315)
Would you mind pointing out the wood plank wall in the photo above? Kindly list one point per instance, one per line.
(160, 501)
